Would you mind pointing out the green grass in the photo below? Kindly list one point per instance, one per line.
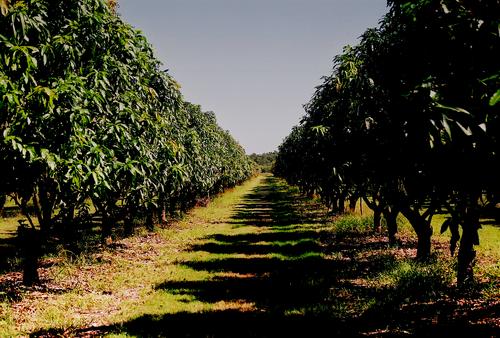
(353, 223)
(257, 252)
(489, 234)
(7, 324)
(125, 275)
(411, 281)
(488, 251)
(8, 227)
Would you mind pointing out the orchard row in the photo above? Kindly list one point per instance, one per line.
(89, 120)
(409, 121)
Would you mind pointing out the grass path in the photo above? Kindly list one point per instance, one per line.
(258, 261)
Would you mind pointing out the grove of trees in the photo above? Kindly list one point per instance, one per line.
(88, 119)
(409, 121)
(265, 160)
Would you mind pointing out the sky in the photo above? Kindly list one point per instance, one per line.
(255, 63)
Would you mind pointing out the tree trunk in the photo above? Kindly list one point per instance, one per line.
(164, 219)
(69, 216)
(150, 221)
(392, 225)
(377, 215)
(334, 205)
(341, 202)
(424, 243)
(377, 212)
(3, 200)
(107, 224)
(46, 205)
(43, 206)
(67, 226)
(29, 242)
(352, 203)
(466, 253)
(341, 207)
(172, 208)
(423, 230)
(128, 222)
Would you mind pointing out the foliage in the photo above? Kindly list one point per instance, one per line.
(408, 121)
(87, 114)
(265, 160)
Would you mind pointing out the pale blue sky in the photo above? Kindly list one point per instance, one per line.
(255, 63)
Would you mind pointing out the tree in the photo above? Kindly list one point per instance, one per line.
(408, 119)
(88, 115)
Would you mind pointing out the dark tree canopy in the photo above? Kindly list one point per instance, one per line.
(88, 115)
(408, 121)
(265, 160)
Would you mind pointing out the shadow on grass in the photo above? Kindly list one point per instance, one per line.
(228, 323)
(54, 249)
(231, 323)
(8, 253)
(299, 278)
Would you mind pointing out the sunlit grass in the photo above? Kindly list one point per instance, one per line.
(488, 250)
(7, 323)
(291, 243)
(353, 223)
(127, 288)
(412, 280)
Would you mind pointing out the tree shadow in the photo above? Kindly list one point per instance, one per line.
(8, 253)
(300, 280)
(228, 323)
(270, 205)
(254, 248)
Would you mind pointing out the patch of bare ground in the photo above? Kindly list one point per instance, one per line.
(367, 253)
(57, 277)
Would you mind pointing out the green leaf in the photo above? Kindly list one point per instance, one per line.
(446, 126)
(495, 98)
(320, 130)
(467, 131)
(455, 109)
